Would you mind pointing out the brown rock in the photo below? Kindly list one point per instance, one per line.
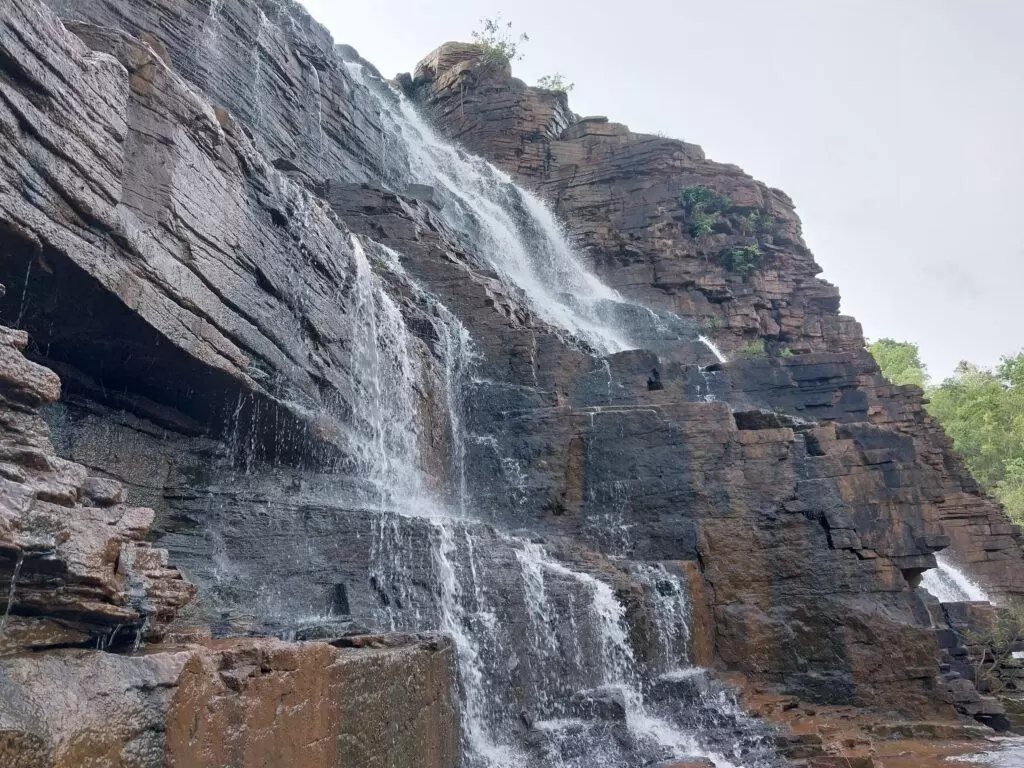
(236, 703)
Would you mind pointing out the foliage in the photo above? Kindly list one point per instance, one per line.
(1010, 490)
(900, 361)
(993, 647)
(743, 260)
(982, 410)
(756, 222)
(704, 207)
(555, 82)
(753, 348)
(705, 199)
(785, 352)
(500, 45)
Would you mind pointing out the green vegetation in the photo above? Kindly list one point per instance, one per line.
(785, 352)
(555, 82)
(755, 223)
(704, 207)
(743, 260)
(753, 348)
(992, 649)
(500, 45)
(900, 361)
(710, 325)
(981, 409)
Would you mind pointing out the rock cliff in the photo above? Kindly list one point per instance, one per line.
(367, 388)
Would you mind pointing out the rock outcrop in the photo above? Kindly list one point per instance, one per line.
(232, 703)
(624, 196)
(347, 419)
(76, 564)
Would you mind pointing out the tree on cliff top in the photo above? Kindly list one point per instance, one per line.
(900, 361)
(500, 45)
(981, 409)
(555, 82)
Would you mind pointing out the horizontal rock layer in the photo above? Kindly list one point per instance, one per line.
(236, 702)
(194, 199)
(623, 196)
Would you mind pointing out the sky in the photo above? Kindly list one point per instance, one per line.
(897, 127)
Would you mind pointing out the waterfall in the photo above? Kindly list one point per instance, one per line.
(670, 608)
(258, 78)
(514, 232)
(547, 671)
(11, 590)
(949, 584)
(713, 348)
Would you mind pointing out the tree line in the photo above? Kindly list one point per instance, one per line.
(981, 409)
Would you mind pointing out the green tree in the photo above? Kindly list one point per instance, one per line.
(900, 361)
(1010, 490)
(500, 45)
(982, 410)
(555, 82)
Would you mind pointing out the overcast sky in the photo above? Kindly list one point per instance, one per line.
(895, 125)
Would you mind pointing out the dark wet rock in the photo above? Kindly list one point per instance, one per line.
(182, 185)
(75, 563)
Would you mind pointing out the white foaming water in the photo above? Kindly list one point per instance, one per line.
(516, 233)
(258, 76)
(949, 584)
(385, 427)
(667, 597)
(713, 348)
(619, 671)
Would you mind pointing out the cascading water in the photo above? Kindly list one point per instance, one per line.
(949, 584)
(713, 348)
(11, 590)
(434, 567)
(548, 675)
(514, 231)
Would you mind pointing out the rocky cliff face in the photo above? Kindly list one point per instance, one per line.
(367, 385)
(624, 197)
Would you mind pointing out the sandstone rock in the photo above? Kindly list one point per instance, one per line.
(77, 571)
(621, 194)
(245, 702)
(199, 221)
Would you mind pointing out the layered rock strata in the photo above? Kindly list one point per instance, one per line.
(737, 263)
(206, 215)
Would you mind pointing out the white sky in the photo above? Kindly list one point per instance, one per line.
(895, 125)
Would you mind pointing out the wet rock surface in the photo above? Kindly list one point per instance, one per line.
(624, 195)
(77, 566)
(239, 702)
(348, 424)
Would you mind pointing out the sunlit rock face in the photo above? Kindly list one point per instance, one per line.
(366, 386)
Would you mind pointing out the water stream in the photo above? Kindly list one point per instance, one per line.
(11, 590)
(548, 671)
(949, 584)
